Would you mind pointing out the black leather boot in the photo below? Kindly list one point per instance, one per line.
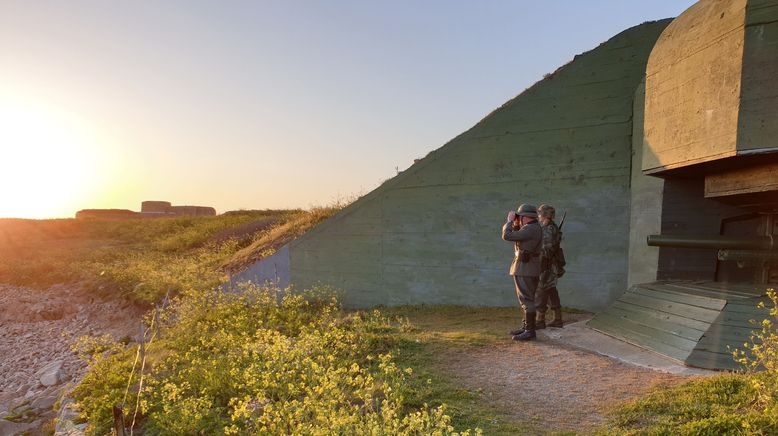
(540, 323)
(529, 333)
(523, 326)
(557, 322)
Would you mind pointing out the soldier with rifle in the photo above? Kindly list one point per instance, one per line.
(552, 264)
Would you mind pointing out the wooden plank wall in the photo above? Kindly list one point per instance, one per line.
(761, 177)
(657, 317)
(731, 330)
(698, 324)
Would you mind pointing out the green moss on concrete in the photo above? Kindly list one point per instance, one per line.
(432, 234)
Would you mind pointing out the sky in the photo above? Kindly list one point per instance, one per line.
(261, 104)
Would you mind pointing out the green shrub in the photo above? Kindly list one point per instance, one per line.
(110, 369)
(762, 354)
(262, 361)
(724, 424)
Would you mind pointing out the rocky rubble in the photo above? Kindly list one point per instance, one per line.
(37, 366)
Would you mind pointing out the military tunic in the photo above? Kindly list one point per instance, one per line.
(525, 274)
(550, 271)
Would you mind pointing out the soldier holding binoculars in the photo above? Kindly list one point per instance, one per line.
(525, 232)
(537, 265)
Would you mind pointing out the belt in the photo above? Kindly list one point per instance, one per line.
(531, 255)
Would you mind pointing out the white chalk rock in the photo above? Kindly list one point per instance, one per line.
(9, 428)
(44, 403)
(51, 374)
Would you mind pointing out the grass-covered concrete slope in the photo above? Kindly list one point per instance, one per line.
(144, 259)
(432, 234)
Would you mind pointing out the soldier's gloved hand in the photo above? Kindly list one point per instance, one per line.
(511, 216)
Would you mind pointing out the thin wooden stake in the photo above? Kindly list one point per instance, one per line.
(156, 322)
(118, 420)
(142, 340)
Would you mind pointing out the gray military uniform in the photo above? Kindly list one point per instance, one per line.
(525, 274)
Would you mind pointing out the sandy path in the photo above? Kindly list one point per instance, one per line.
(549, 384)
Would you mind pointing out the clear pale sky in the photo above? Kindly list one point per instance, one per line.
(259, 104)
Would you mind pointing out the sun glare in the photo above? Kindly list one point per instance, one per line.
(48, 162)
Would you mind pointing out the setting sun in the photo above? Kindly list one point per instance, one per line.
(48, 161)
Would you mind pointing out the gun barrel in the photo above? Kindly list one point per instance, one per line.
(712, 242)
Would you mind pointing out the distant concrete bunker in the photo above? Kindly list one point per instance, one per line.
(669, 128)
(165, 208)
(149, 209)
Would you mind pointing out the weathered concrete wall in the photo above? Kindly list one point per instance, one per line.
(155, 206)
(693, 87)
(758, 124)
(432, 234)
(164, 208)
(192, 210)
(273, 270)
(645, 204)
(105, 213)
(710, 85)
(710, 95)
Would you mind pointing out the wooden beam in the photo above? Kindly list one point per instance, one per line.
(754, 179)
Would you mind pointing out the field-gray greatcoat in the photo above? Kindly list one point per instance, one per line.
(525, 274)
(529, 238)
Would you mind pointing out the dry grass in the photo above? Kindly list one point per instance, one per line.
(144, 259)
(277, 236)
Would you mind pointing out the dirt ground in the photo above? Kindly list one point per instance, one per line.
(37, 328)
(550, 385)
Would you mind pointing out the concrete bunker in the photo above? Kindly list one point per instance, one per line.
(668, 128)
(709, 140)
(149, 209)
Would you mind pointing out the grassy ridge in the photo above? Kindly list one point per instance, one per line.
(143, 259)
